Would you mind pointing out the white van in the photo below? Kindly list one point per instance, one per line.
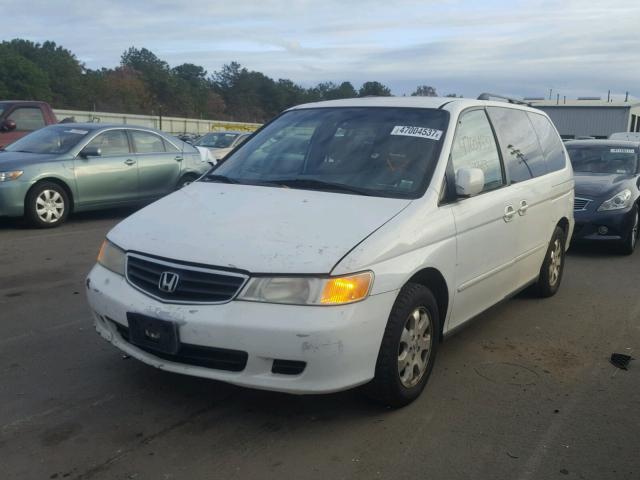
(339, 244)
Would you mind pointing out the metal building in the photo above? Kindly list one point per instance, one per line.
(591, 117)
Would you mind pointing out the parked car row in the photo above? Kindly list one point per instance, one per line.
(336, 246)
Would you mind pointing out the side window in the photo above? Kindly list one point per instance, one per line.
(147, 142)
(520, 147)
(27, 118)
(474, 146)
(549, 141)
(111, 142)
(169, 147)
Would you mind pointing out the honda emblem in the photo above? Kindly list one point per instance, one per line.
(168, 282)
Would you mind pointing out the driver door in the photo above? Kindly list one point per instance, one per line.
(111, 177)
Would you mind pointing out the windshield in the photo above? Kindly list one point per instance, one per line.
(367, 150)
(216, 140)
(55, 139)
(1, 109)
(605, 159)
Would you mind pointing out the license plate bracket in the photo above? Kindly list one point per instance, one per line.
(153, 333)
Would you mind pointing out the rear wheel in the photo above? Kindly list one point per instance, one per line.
(47, 205)
(408, 348)
(186, 180)
(631, 238)
(553, 265)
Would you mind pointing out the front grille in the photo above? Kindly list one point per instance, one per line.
(580, 204)
(194, 285)
(199, 356)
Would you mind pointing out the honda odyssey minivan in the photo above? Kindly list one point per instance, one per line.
(339, 245)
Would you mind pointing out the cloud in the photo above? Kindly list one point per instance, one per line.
(464, 47)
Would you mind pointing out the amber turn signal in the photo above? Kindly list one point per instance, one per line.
(346, 289)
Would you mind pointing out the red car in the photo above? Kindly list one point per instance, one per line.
(17, 118)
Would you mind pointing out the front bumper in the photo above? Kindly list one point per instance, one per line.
(12, 195)
(616, 222)
(339, 344)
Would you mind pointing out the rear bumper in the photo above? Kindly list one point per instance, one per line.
(12, 196)
(339, 345)
(617, 224)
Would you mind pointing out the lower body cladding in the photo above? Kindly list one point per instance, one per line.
(603, 226)
(287, 348)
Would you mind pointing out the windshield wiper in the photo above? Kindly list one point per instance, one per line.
(212, 177)
(312, 184)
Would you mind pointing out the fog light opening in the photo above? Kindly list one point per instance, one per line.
(602, 230)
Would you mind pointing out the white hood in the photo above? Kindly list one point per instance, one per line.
(253, 228)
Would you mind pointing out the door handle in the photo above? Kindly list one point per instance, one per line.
(509, 213)
(129, 162)
(524, 206)
(178, 158)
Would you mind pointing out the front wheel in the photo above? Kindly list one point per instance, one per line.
(553, 265)
(631, 238)
(47, 205)
(408, 348)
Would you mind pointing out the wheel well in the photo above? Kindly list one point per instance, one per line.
(563, 223)
(434, 281)
(190, 175)
(57, 181)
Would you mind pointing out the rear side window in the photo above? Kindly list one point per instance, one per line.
(549, 141)
(27, 118)
(146, 142)
(520, 147)
(474, 146)
(169, 147)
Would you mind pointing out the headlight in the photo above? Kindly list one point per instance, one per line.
(617, 202)
(6, 176)
(308, 290)
(112, 257)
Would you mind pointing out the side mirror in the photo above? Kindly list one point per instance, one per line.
(90, 152)
(469, 181)
(8, 125)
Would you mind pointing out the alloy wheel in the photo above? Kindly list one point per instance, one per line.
(415, 347)
(555, 265)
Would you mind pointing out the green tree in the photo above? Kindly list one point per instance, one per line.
(375, 89)
(20, 78)
(65, 74)
(425, 91)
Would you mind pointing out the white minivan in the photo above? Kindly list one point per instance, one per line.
(339, 244)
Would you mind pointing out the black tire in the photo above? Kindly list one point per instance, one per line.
(387, 387)
(548, 281)
(47, 205)
(186, 180)
(628, 245)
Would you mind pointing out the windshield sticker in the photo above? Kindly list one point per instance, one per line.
(622, 150)
(77, 132)
(420, 132)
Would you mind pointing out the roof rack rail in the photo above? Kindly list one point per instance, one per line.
(489, 96)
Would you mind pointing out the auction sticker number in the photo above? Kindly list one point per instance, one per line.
(420, 132)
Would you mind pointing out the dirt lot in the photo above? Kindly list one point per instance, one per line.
(525, 392)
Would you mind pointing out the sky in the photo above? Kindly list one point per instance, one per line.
(575, 48)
